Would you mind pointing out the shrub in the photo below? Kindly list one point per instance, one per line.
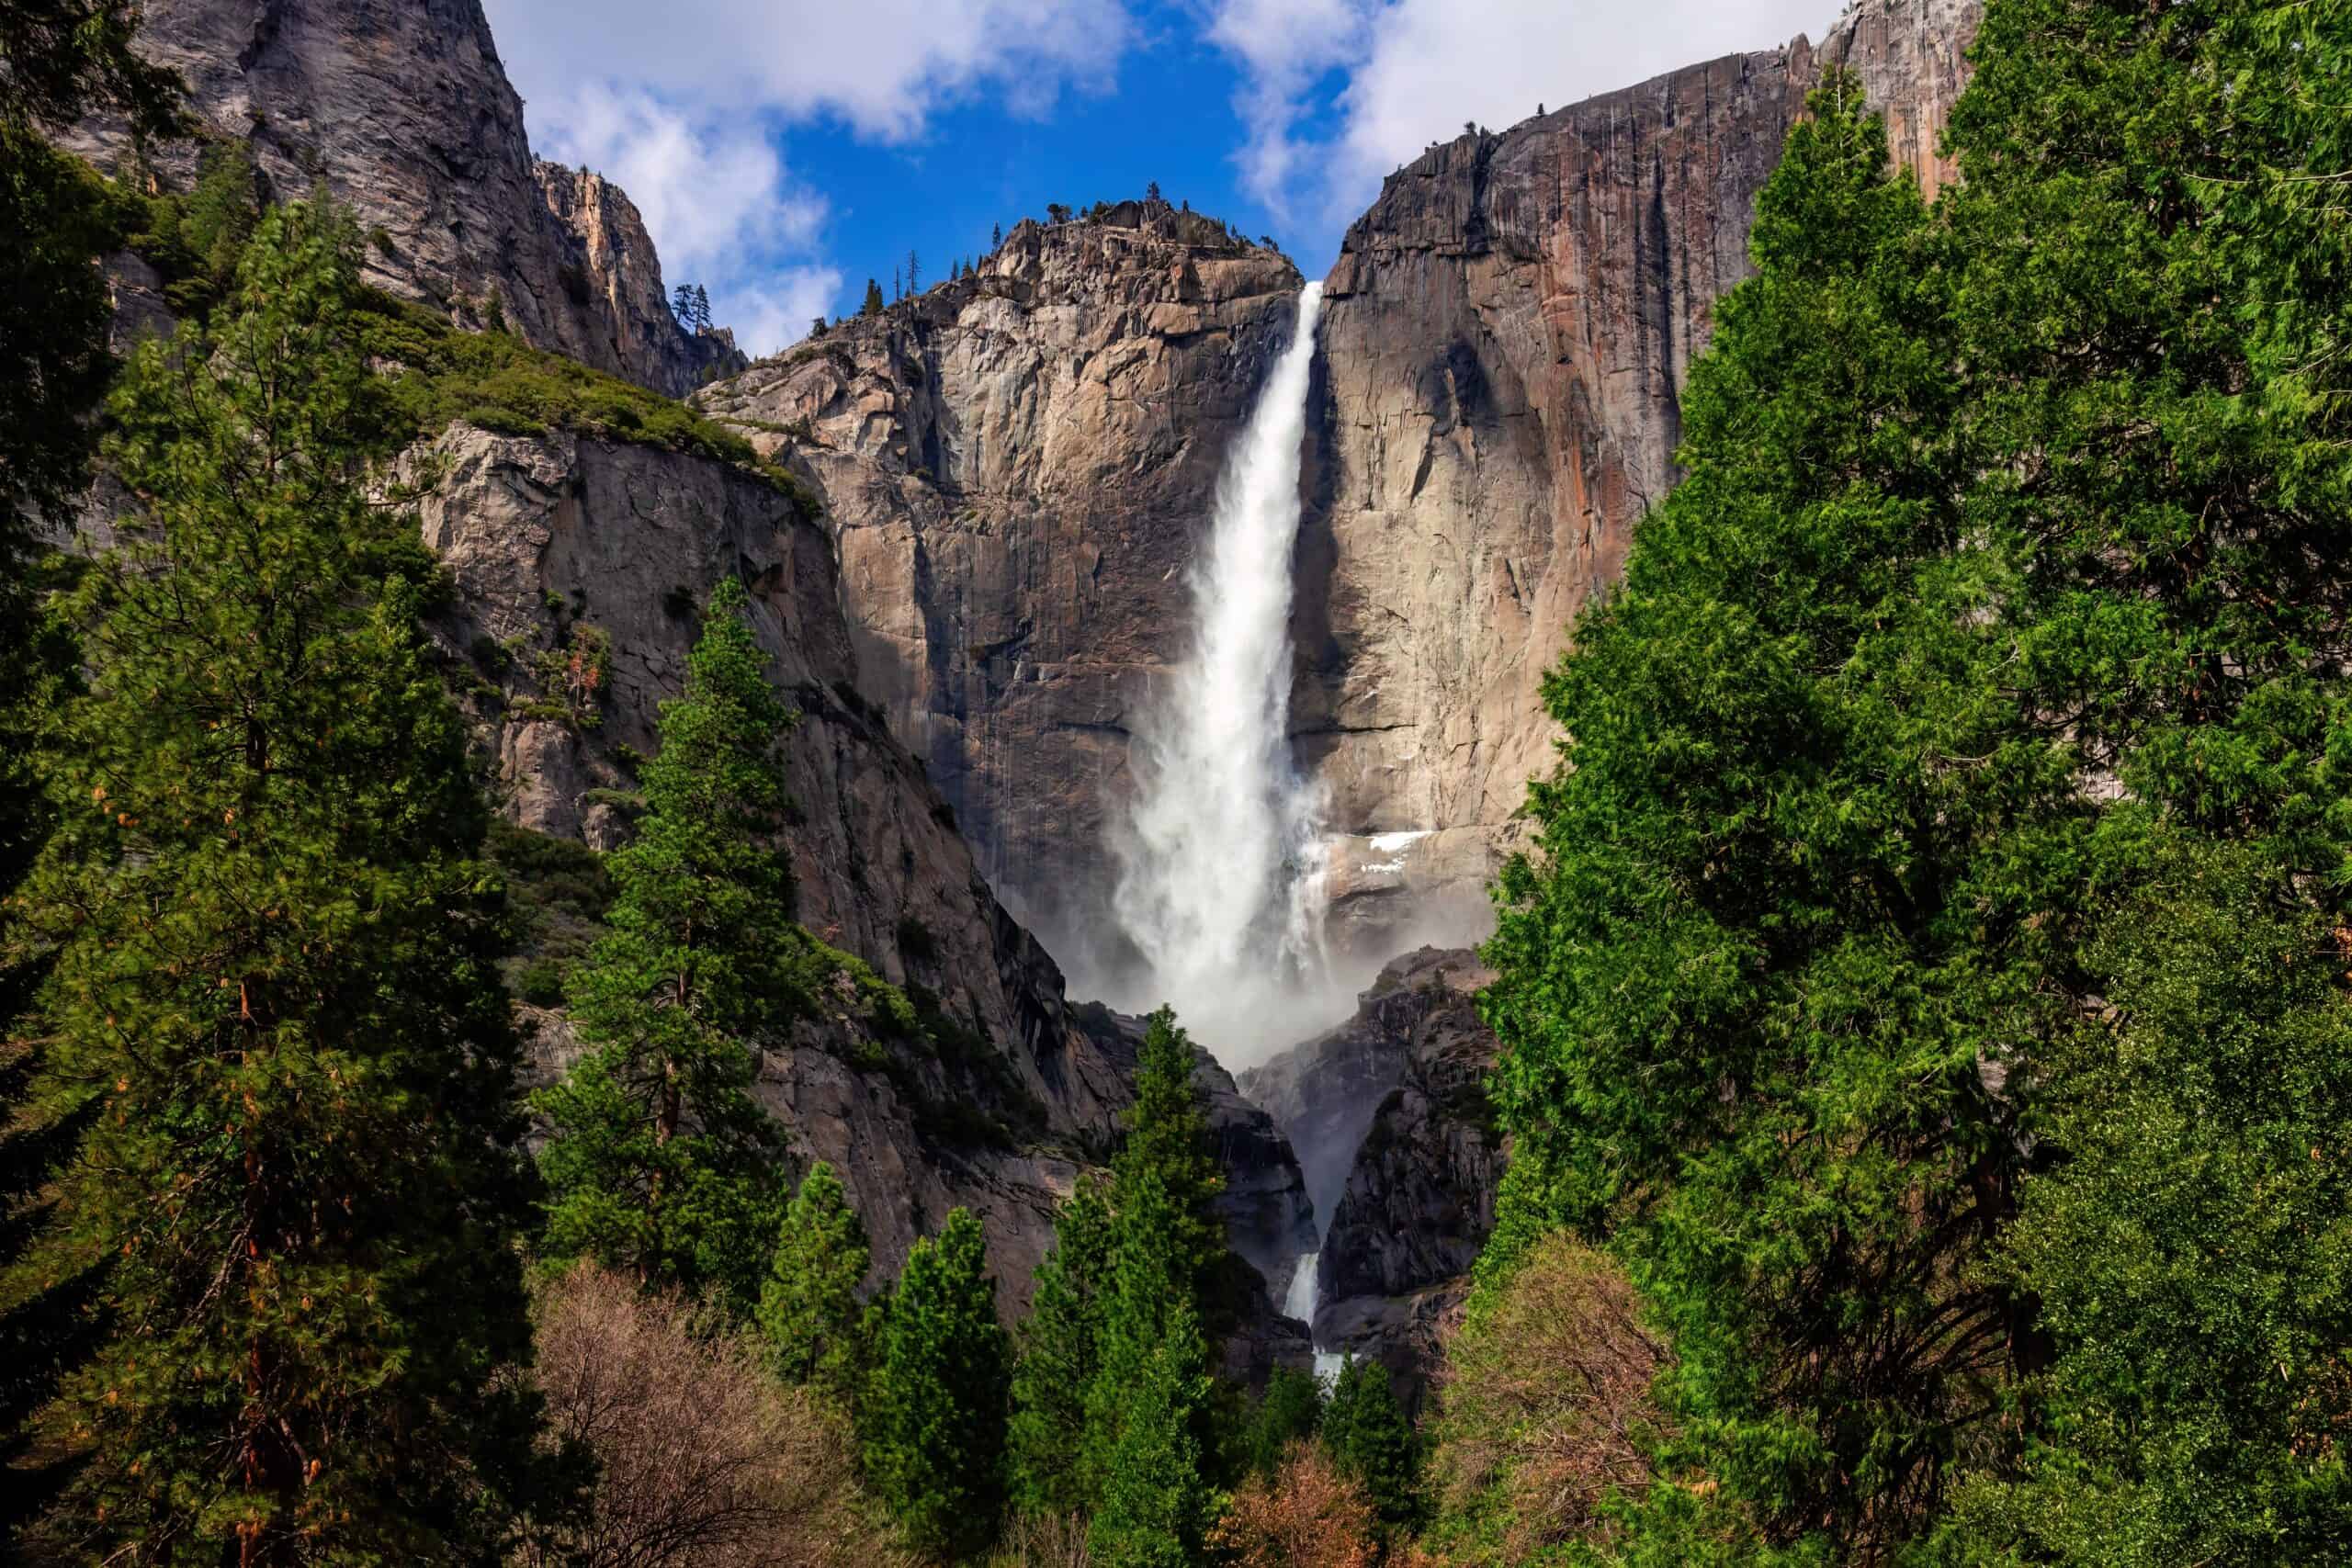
(703, 1460)
(1306, 1515)
(1545, 1403)
(541, 983)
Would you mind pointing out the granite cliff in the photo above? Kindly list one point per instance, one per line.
(975, 1084)
(1019, 464)
(401, 110)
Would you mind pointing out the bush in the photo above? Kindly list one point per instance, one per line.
(1306, 1515)
(1545, 1403)
(541, 983)
(703, 1460)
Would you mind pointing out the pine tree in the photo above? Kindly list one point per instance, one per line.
(1290, 1411)
(914, 273)
(996, 238)
(660, 1161)
(1797, 886)
(1165, 1241)
(934, 1418)
(1155, 1505)
(701, 308)
(1059, 1357)
(875, 304)
(274, 968)
(808, 1308)
(1365, 1431)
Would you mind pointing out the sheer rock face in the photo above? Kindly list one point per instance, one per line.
(1388, 1115)
(1017, 466)
(403, 109)
(554, 540)
(1021, 463)
(1506, 336)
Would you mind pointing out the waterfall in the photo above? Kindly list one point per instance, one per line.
(1300, 1304)
(1221, 863)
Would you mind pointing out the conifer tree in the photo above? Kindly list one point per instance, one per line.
(64, 59)
(875, 304)
(1165, 1240)
(1369, 1438)
(996, 238)
(274, 982)
(1059, 1357)
(809, 1307)
(1155, 1503)
(1784, 909)
(660, 1162)
(934, 1417)
(1290, 1411)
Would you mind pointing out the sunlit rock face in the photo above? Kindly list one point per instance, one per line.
(403, 110)
(1017, 466)
(1020, 466)
(1508, 333)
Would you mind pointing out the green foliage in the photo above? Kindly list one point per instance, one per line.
(933, 1420)
(875, 304)
(1059, 1358)
(1776, 924)
(2193, 1252)
(69, 58)
(440, 376)
(808, 1306)
(1290, 1411)
(195, 240)
(274, 951)
(1155, 1506)
(1367, 1436)
(1969, 733)
(661, 1161)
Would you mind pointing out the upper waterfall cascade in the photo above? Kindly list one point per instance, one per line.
(1221, 858)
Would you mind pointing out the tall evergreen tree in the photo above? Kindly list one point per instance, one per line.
(1369, 1438)
(1165, 1241)
(1801, 891)
(934, 1418)
(875, 304)
(1059, 1357)
(64, 59)
(660, 1162)
(274, 982)
(809, 1307)
(1154, 1509)
(1290, 1411)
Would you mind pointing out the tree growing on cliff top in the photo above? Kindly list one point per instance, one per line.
(934, 1418)
(875, 304)
(660, 1161)
(274, 983)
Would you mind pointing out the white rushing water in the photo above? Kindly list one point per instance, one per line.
(1221, 861)
(1299, 1303)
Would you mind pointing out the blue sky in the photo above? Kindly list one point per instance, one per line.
(783, 151)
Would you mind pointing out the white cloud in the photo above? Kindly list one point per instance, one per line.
(882, 66)
(604, 79)
(722, 208)
(1415, 71)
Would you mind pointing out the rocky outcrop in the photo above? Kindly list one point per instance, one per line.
(1389, 1115)
(577, 566)
(1506, 337)
(1017, 464)
(401, 110)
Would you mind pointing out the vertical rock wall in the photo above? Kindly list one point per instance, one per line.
(401, 110)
